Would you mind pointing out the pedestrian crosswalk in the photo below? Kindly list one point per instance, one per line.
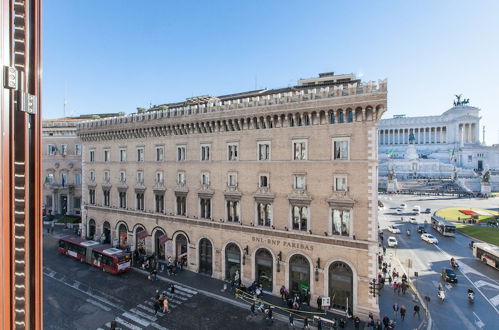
(143, 315)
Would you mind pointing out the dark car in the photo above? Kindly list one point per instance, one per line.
(448, 275)
(428, 210)
(421, 230)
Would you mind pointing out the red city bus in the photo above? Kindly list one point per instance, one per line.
(102, 256)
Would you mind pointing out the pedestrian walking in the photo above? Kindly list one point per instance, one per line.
(390, 280)
(402, 312)
(416, 311)
(270, 313)
(319, 324)
(156, 307)
(395, 309)
(172, 290)
(157, 295)
(319, 302)
(342, 323)
(291, 320)
(305, 323)
(114, 324)
(52, 226)
(386, 321)
(378, 325)
(395, 286)
(384, 250)
(399, 288)
(252, 308)
(356, 322)
(166, 305)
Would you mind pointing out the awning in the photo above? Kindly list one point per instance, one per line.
(163, 239)
(142, 234)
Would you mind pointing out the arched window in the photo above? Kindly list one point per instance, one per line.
(159, 243)
(122, 236)
(232, 261)
(205, 257)
(350, 116)
(341, 286)
(299, 274)
(181, 248)
(91, 229)
(264, 263)
(342, 117)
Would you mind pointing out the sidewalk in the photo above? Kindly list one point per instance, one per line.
(214, 288)
(388, 297)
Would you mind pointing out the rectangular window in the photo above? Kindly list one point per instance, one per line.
(232, 179)
(91, 196)
(51, 149)
(299, 182)
(181, 178)
(140, 176)
(140, 201)
(160, 154)
(159, 177)
(181, 153)
(50, 179)
(107, 155)
(205, 152)
(64, 149)
(232, 211)
(470, 158)
(263, 150)
(107, 176)
(264, 214)
(299, 216)
(341, 222)
(92, 155)
(340, 183)
(264, 181)
(76, 202)
(340, 149)
(181, 203)
(300, 150)
(205, 178)
(232, 151)
(123, 199)
(159, 203)
(140, 154)
(91, 176)
(78, 149)
(77, 178)
(122, 176)
(205, 208)
(107, 197)
(122, 155)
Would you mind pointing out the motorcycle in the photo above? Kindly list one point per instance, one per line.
(441, 295)
(454, 265)
(408, 232)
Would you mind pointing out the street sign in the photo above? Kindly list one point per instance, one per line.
(326, 301)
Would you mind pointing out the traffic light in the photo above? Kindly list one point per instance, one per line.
(373, 287)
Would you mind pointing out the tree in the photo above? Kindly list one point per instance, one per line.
(141, 110)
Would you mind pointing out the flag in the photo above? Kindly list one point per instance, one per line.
(453, 155)
(390, 153)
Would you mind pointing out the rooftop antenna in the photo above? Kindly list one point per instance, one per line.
(65, 97)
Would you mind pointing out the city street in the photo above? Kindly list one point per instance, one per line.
(428, 259)
(78, 296)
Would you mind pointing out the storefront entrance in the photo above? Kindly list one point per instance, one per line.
(232, 261)
(159, 244)
(264, 269)
(106, 231)
(205, 257)
(91, 229)
(299, 274)
(122, 236)
(181, 248)
(341, 286)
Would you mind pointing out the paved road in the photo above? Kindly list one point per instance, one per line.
(456, 312)
(78, 296)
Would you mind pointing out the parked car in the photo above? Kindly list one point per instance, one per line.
(403, 206)
(392, 242)
(413, 220)
(399, 211)
(394, 230)
(429, 238)
(428, 210)
(448, 275)
(421, 230)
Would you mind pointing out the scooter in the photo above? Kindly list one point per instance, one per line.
(408, 232)
(454, 264)
(471, 297)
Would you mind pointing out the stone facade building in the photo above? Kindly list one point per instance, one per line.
(279, 185)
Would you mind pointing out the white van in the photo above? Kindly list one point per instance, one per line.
(416, 210)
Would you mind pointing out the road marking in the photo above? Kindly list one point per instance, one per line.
(185, 289)
(136, 319)
(157, 326)
(479, 323)
(472, 283)
(481, 283)
(127, 324)
(98, 304)
(144, 315)
(150, 310)
(495, 300)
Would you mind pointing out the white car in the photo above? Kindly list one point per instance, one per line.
(399, 211)
(403, 206)
(429, 238)
(394, 230)
(413, 220)
(392, 242)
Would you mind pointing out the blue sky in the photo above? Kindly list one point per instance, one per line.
(113, 56)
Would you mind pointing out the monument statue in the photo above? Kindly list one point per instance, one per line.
(458, 102)
(411, 138)
(486, 177)
(391, 175)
